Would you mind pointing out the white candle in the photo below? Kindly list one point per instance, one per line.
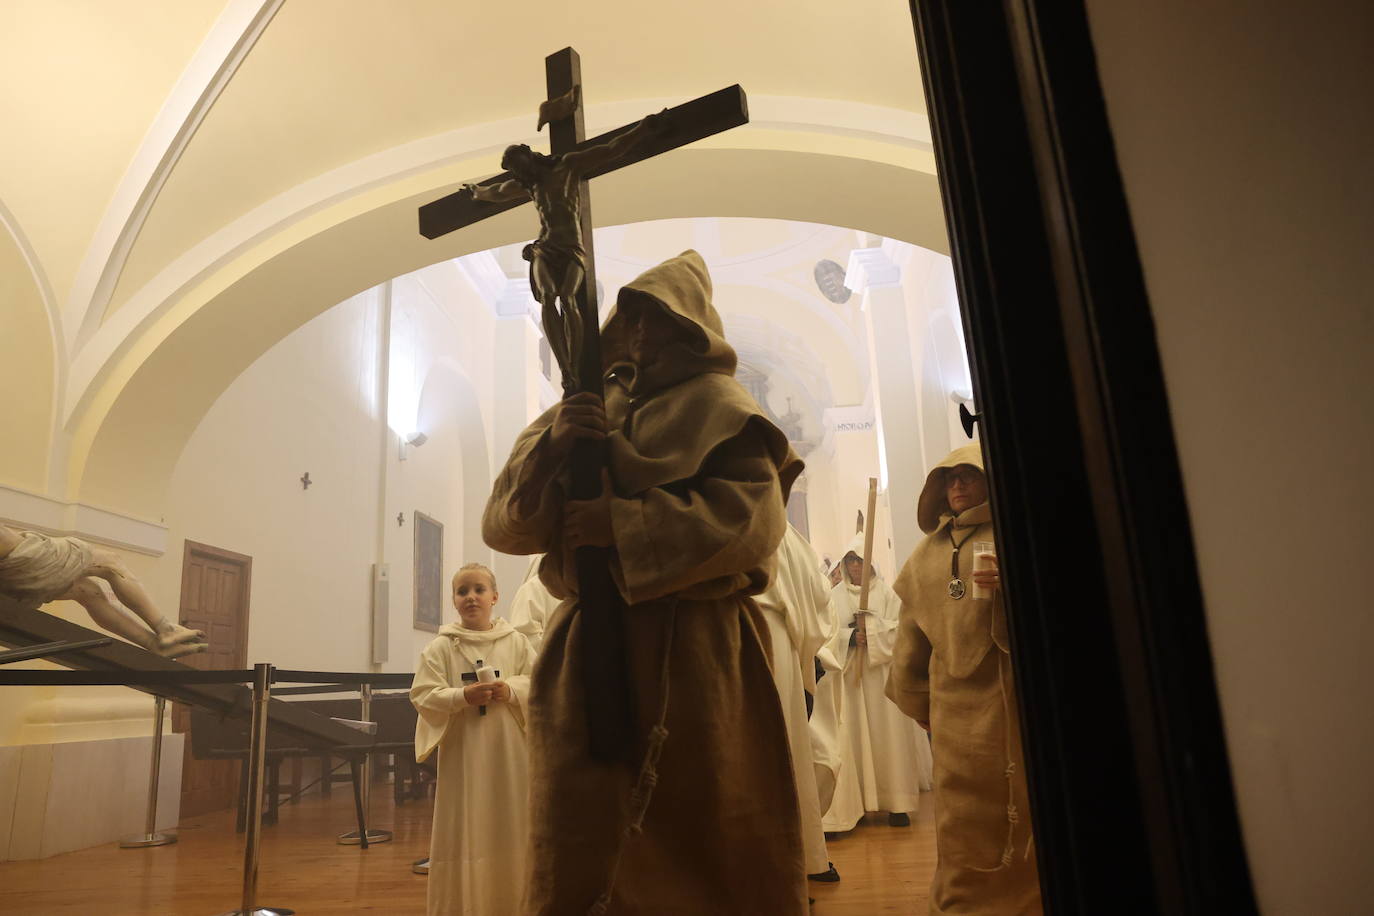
(984, 557)
(486, 673)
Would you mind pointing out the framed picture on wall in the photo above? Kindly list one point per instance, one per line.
(429, 573)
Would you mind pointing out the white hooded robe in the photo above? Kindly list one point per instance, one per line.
(887, 758)
(481, 815)
(533, 605)
(800, 621)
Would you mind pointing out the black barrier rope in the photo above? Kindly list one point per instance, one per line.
(124, 678)
(337, 682)
(286, 676)
(306, 691)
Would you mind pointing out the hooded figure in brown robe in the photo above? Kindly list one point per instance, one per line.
(698, 481)
(952, 673)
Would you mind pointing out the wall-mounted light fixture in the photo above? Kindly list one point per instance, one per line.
(963, 397)
(415, 439)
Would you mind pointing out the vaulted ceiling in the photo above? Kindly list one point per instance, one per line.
(184, 183)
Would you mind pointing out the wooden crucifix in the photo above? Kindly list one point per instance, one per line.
(563, 279)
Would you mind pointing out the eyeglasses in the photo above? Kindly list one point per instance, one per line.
(966, 478)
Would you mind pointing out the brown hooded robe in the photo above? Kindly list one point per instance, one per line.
(952, 669)
(699, 479)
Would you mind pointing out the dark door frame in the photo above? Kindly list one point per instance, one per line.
(1134, 809)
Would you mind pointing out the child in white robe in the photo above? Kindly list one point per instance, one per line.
(887, 760)
(481, 819)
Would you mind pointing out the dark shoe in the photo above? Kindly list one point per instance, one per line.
(829, 876)
(899, 819)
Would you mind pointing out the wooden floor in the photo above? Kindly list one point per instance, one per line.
(883, 869)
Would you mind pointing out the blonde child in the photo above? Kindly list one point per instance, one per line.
(469, 689)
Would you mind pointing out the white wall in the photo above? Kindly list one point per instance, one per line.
(1244, 134)
(312, 403)
(308, 404)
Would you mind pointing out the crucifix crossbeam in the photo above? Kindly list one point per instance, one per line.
(563, 280)
(687, 123)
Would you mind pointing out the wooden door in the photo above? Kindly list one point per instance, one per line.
(214, 598)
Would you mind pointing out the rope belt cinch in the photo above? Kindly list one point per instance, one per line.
(1013, 815)
(647, 780)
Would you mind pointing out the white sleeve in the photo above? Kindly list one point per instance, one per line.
(434, 698)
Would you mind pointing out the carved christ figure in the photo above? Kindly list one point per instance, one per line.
(37, 567)
(558, 258)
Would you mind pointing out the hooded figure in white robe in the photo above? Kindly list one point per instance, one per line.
(533, 605)
(887, 757)
(800, 620)
(478, 847)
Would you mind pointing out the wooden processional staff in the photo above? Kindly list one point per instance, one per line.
(868, 552)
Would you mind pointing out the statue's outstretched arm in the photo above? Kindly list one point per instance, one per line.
(498, 193)
(587, 160)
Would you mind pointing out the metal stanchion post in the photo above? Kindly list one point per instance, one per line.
(351, 838)
(150, 836)
(257, 765)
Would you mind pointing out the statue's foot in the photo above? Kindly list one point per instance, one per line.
(173, 641)
(186, 648)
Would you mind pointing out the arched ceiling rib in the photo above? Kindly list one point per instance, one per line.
(211, 68)
(83, 83)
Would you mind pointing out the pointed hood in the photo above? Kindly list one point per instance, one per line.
(932, 503)
(691, 387)
(681, 287)
(856, 547)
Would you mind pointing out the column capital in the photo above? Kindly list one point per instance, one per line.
(869, 267)
(515, 299)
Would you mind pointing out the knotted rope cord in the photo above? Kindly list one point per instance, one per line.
(1013, 816)
(648, 773)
